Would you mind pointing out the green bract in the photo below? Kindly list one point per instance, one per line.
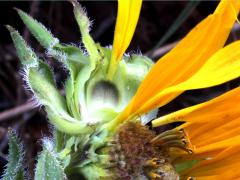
(15, 167)
(90, 101)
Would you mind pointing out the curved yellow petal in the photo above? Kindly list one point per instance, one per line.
(212, 126)
(216, 133)
(224, 165)
(221, 145)
(127, 18)
(222, 108)
(223, 66)
(185, 60)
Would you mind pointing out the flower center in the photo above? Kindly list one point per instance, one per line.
(138, 153)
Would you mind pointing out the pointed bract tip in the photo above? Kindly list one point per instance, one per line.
(18, 10)
(10, 28)
(74, 2)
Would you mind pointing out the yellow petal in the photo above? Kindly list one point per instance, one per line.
(211, 127)
(217, 131)
(185, 60)
(127, 18)
(221, 67)
(221, 108)
(221, 145)
(224, 165)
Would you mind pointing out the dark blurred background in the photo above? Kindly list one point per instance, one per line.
(156, 17)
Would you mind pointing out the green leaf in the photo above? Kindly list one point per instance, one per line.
(26, 55)
(95, 172)
(69, 126)
(38, 74)
(94, 56)
(48, 166)
(59, 139)
(75, 61)
(15, 166)
(84, 26)
(40, 80)
(68, 151)
(41, 33)
(71, 56)
(74, 55)
(135, 69)
(74, 109)
(42, 83)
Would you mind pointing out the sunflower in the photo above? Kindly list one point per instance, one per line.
(206, 144)
(101, 120)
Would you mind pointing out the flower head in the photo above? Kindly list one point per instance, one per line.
(107, 95)
(210, 139)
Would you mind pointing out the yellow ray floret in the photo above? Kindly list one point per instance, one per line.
(224, 165)
(220, 129)
(222, 109)
(212, 126)
(221, 67)
(213, 130)
(127, 18)
(184, 62)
